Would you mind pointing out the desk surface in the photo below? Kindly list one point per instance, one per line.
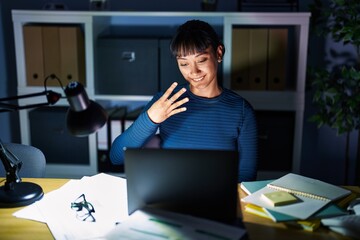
(258, 228)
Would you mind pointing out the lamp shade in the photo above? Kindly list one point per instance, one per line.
(84, 116)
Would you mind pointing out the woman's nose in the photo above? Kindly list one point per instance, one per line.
(194, 69)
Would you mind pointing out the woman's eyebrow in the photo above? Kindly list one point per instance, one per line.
(197, 55)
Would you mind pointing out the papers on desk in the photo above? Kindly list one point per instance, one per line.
(106, 193)
(155, 224)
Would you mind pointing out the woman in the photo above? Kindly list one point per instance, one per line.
(200, 114)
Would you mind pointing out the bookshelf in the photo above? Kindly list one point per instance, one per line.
(96, 25)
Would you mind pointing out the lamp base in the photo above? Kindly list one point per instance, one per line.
(24, 193)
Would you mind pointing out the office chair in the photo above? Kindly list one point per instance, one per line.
(33, 160)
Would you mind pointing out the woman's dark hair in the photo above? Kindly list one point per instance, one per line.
(194, 36)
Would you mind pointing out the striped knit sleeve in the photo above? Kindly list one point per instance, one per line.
(248, 145)
(135, 136)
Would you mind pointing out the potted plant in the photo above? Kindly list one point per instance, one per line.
(337, 90)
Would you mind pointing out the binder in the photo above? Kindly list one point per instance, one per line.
(51, 51)
(72, 54)
(240, 59)
(258, 58)
(132, 116)
(106, 135)
(34, 56)
(102, 133)
(116, 124)
(277, 58)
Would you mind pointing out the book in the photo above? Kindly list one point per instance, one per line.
(307, 225)
(256, 210)
(308, 187)
(279, 198)
(307, 205)
(250, 187)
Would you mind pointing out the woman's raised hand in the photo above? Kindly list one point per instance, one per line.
(165, 107)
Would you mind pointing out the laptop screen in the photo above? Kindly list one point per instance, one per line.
(201, 183)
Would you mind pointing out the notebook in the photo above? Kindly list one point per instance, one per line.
(329, 210)
(202, 183)
(308, 187)
(313, 194)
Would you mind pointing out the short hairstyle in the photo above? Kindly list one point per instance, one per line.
(194, 36)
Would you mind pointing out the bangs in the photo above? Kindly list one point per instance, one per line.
(194, 37)
(187, 45)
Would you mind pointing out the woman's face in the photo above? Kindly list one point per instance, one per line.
(200, 70)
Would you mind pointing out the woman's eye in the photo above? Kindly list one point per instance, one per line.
(202, 60)
(183, 64)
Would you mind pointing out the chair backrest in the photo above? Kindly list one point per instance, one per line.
(33, 160)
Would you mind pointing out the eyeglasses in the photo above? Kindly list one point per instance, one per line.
(84, 209)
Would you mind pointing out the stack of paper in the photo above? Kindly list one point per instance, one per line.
(107, 194)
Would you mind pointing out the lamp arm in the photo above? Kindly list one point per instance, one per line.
(51, 96)
(12, 166)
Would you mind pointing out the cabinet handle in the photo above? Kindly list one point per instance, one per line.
(128, 56)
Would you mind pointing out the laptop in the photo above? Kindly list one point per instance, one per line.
(201, 183)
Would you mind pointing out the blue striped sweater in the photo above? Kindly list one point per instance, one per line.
(226, 122)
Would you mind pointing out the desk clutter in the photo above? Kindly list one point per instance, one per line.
(302, 202)
(96, 207)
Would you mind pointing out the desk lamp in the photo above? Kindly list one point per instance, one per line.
(83, 117)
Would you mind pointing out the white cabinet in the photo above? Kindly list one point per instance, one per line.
(161, 24)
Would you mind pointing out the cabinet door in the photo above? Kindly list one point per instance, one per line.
(127, 66)
(48, 133)
(34, 56)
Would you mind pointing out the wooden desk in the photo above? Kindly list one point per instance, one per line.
(17, 228)
(258, 228)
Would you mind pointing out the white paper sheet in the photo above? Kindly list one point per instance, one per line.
(303, 209)
(106, 193)
(155, 224)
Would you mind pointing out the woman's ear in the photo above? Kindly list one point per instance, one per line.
(219, 53)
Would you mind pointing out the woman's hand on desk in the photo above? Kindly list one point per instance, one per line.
(167, 106)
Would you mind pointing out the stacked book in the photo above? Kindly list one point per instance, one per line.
(295, 200)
